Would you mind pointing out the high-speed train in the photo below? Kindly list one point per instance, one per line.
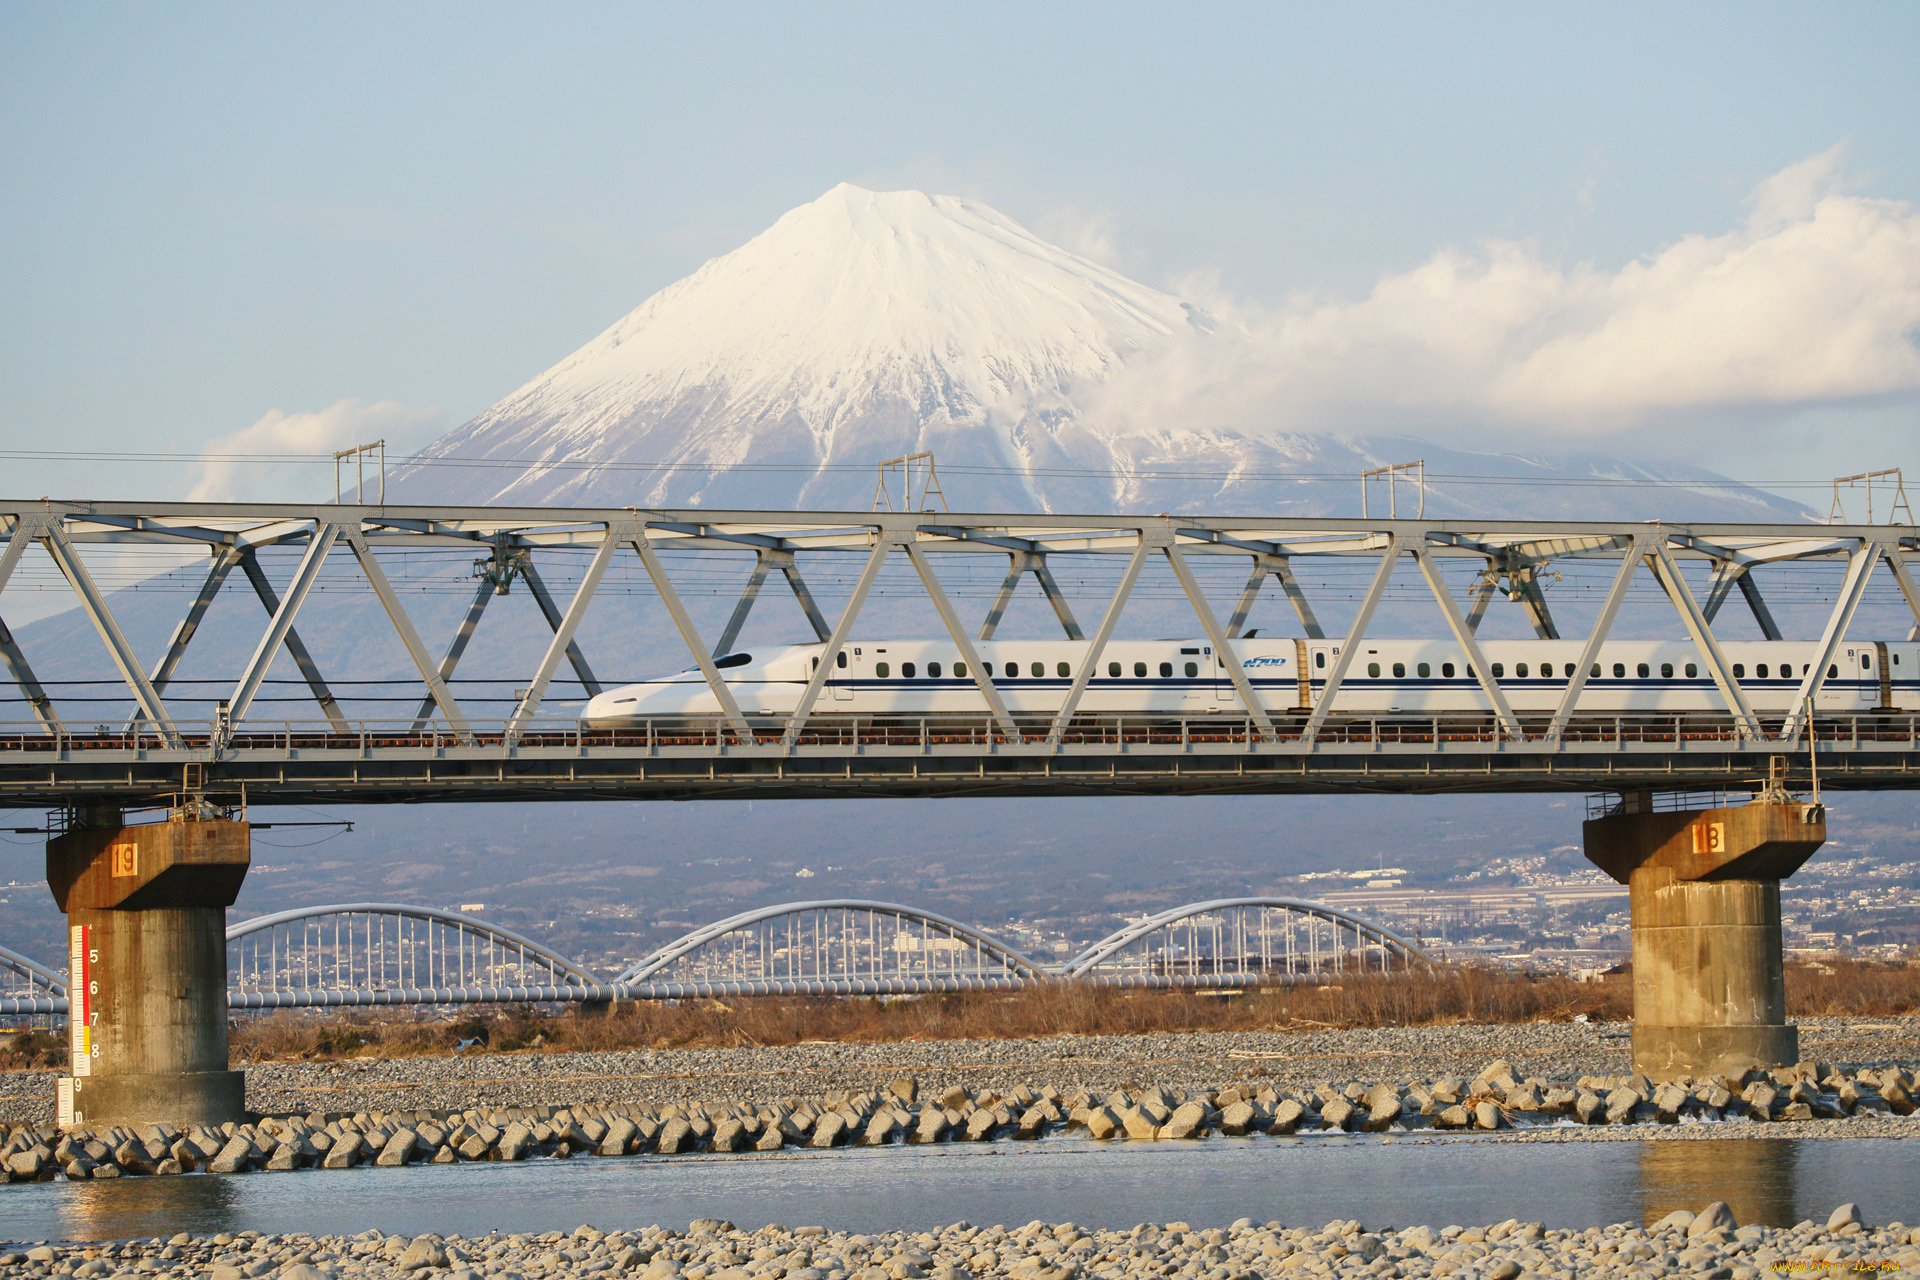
(1186, 677)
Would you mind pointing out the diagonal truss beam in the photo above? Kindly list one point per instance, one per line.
(30, 687)
(1482, 597)
(836, 642)
(1660, 560)
(765, 561)
(1901, 575)
(1344, 657)
(145, 696)
(1280, 567)
(455, 648)
(1463, 635)
(562, 641)
(296, 648)
(1019, 564)
(689, 634)
(224, 558)
(791, 572)
(1222, 646)
(25, 531)
(409, 636)
(981, 676)
(755, 580)
(1728, 574)
(1590, 653)
(551, 612)
(1101, 636)
(1852, 589)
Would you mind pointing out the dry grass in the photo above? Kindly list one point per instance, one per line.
(1464, 995)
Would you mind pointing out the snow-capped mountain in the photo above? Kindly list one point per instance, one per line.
(867, 325)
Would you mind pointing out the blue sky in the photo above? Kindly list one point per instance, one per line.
(213, 214)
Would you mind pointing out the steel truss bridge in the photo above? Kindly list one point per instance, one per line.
(370, 953)
(448, 749)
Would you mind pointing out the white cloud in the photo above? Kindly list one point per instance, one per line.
(1814, 300)
(292, 451)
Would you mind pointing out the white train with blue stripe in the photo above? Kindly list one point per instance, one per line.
(1186, 677)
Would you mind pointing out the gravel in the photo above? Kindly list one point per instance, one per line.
(1709, 1245)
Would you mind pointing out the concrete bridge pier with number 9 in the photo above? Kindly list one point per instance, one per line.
(147, 956)
(1709, 990)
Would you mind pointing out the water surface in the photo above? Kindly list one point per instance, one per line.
(1299, 1182)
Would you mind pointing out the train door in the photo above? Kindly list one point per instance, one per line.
(1223, 690)
(838, 682)
(1859, 669)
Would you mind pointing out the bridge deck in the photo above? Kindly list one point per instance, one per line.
(947, 756)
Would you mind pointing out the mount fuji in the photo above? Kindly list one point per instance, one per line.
(866, 325)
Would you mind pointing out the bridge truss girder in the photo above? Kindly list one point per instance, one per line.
(510, 541)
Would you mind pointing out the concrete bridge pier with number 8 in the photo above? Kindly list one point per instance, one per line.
(147, 956)
(1709, 989)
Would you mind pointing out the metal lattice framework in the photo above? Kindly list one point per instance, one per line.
(371, 953)
(27, 986)
(377, 953)
(1241, 941)
(834, 947)
(453, 745)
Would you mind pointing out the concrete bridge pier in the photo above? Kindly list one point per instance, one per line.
(1709, 993)
(147, 967)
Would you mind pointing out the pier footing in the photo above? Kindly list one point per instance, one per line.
(147, 965)
(1709, 993)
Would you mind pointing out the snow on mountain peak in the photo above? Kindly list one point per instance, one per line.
(860, 326)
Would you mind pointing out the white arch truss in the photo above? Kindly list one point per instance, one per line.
(1228, 941)
(832, 944)
(391, 953)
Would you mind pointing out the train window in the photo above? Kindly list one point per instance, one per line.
(960, 671)
(1866, 662)
(933, 671)
(1193, 669)
(1166, 670)
(1062, 670)
(906, 671)
(840, 659)
(1520, 670)
(882, 670)
(1320, 659)
(1693, 671)
(816, 663)
(1666, 671)
(1619, 671)
(1833, 672)
(1423, 671)
(1113, 670)
(1039, 669)
(733, 660)
(1786, 670)
(1596, 672)
(1739, 671)
(1546, 671)
(1642, 671)
(1499, 670)
(1139, 671)
(1013, 671)
(1760, 671)
(1399, 671)
(1373, 670)
(1446, 671)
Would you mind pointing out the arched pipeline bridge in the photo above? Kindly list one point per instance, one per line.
(376, 953)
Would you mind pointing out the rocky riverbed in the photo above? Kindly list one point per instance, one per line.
(658, 1077)
(1498, 1097)
(1708, 1244)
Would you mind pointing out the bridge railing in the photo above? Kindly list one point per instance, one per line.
(1088, 732)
